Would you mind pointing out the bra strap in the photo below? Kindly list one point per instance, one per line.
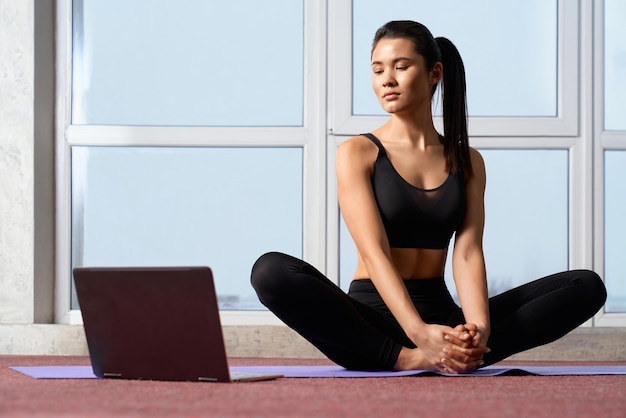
(376, 141)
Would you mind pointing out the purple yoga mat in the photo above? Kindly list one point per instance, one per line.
(86, 372)
(337, 371)
(57, 372)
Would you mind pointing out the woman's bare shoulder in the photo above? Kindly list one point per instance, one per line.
(359, 143)
(476, 158)
(475, 155)
(358, 148)
(478, 166)
(355, 155)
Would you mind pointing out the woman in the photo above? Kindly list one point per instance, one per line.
(404, 190)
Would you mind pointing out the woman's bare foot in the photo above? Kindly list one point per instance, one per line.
(411, 359)
(414, 359)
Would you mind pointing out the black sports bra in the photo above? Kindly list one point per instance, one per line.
(414, 217)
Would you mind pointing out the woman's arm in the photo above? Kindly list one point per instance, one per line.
(468, 261)
(354, 164)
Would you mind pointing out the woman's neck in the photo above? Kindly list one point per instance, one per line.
(403, 128)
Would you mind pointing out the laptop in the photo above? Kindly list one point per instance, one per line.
(155, 323)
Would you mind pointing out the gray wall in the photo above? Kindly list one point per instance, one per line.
(17, 161)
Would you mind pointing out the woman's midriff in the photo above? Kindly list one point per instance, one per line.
(411, 263)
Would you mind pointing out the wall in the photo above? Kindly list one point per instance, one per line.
(16, 161)
(27, 183)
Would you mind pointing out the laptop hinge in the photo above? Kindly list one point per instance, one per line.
(207, 379)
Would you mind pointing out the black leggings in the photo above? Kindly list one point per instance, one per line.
(357, 330)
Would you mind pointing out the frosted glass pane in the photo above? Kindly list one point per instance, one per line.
(615, 230)
(526, 216)
(511, 69)
(221, 207)
(188, 62)
(526, 219)
(614, 64)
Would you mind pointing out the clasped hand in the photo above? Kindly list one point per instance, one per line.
(454, 350)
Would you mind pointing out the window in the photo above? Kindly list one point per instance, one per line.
(615, 230)
(187, 138)
(187, 206)
(528, 88)
(527, 211)
(499, 54)
(614, 65)
(223, 118)
(540, 137)
(188, 63)
(610, 156)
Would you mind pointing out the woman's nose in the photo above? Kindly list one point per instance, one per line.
(389, 81)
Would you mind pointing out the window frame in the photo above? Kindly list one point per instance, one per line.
(603, 140)
(565, 124)
(309, 136)
(577, 128)
(569, 130)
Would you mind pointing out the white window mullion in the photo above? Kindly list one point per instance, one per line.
(602, 141)
(581, 154)
(315, 173)
(148, 136)
(63, 180)
(598, 152)
(613, 140)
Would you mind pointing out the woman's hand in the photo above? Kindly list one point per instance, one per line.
(479, 335)
(450, 350)
(469, 344)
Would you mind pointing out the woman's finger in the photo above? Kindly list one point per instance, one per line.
(464, 340)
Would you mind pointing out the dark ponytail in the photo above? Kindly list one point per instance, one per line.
(455, 142)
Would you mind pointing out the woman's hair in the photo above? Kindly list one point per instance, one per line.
(455, 142)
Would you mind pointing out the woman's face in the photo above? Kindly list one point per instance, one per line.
(400, 79)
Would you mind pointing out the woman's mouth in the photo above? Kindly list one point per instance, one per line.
(391, 95)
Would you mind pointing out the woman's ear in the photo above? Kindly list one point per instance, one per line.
(436, 73)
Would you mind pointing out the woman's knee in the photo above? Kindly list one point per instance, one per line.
(266, 270)
(276, 275)
(593, 286)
